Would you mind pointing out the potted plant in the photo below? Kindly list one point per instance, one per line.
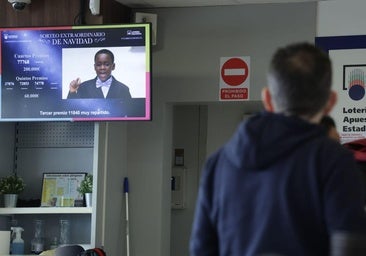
(10, 187)
(86, 188)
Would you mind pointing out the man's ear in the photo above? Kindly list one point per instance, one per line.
(267, 100)
(331, 102)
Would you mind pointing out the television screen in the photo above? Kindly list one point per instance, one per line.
(76, 73)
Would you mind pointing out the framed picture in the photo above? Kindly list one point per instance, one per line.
(60, 189)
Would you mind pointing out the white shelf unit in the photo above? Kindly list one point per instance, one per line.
(53, 147)
(46, 210)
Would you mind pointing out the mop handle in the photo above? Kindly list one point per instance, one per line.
(125, 190)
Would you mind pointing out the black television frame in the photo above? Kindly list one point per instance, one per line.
(36, 65)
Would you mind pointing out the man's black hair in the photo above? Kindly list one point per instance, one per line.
(300, 79)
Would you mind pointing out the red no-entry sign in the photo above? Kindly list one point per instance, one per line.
(234, 78)
(234, 71)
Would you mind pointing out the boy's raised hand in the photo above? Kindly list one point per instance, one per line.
(74, 85)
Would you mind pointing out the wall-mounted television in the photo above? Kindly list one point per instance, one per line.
(76, 73)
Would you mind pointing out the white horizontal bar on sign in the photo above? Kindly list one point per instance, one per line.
(234, 72)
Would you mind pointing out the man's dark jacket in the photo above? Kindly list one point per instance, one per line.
(279, 186)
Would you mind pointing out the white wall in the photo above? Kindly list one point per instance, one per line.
(186, 70)
(191, 41)
(114, 198)
(223, 120)
(341, 18)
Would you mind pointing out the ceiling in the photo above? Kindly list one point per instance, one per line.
(195, 3)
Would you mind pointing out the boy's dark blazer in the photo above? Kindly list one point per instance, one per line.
(88, 90)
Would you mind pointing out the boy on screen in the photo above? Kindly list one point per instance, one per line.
(104, 85)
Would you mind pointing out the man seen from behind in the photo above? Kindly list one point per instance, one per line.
(280, 185)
